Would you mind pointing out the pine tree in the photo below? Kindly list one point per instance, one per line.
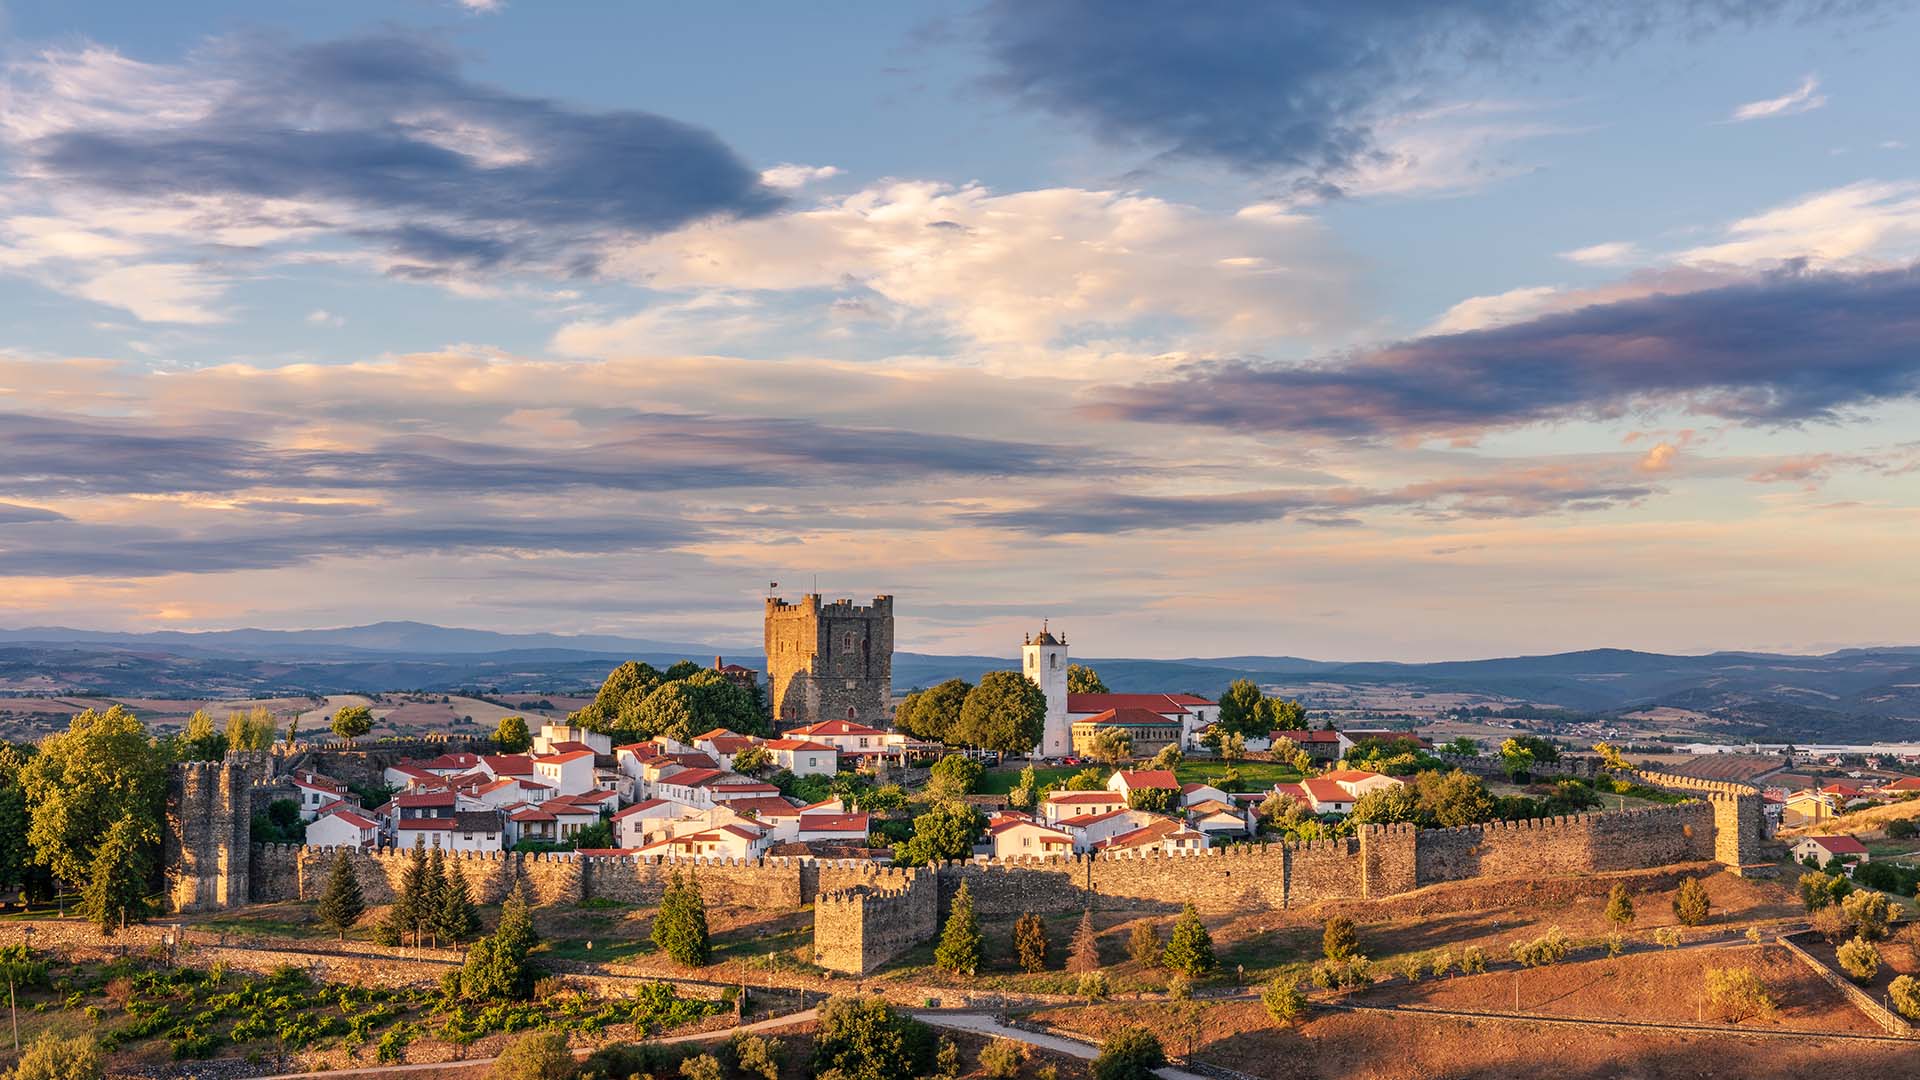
(959, 948)
(496, 965)
(1620, 906)
(433, 888)
(457, 918)
(406, 914)
(1030, 943)
(341, 905)
(1143, 944)
(680, 926)
(1690, 903)
(1190, 949)
(1084, 954)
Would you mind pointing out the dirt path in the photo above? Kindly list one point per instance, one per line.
(1638, 1025)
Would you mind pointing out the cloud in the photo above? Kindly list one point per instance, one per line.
(1305, 88)
(1780, 348)
(1867, 223)
(323, 317)
(1025, 268)
(794, 176)
(1803, 98)
(377, 140)
(1659, 458)
(11, 514)
(1607, 254)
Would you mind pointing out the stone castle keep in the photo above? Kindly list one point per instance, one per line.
(829, 661)
(866, 914)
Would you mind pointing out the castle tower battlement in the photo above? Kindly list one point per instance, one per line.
(829, 661)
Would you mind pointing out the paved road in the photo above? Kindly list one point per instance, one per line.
(983, 1024)
(1638, 1025)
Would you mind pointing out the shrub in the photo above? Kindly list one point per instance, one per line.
(1284, 1001)
(1129, 1054)
(1615, 945)
(703, 1067)
(623, 1059)
(1473, 961)
(1030, 943)
(1180, 986)
(1083, 955)
(1440, 963)
(1901, 828)
(755, 1056)
(1667, 937)
(1350, 974)
(1859, 959)
(1143, 944)
(1093, 985)
(1549, 948)
(1869, 913)
(1738, 994)
(1754, 937)
(1001, 1059)
(1832, 924)
(543, 1055)
(946, 1060)
(1190, 948)
(867, 1039)
(1620, 906)
(1818, 890)
(51, 1057)
(1690, 903)
(1904, 992)
(1340, 939)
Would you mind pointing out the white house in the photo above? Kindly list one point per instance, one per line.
(406, 776)
(727, 841)
(1360, 782)
(839, 828)
(343, 826)
(549, 738)
(1217, 817)
(847, 737)
(1126, 783)
(465, 830)
(1018, 836)
(1161, 834)
(804, 757)
(501, 766)
(721, 744)
(569, 772)
(315, 792)
(1196, 793)
(449, 764)
(1824, 849)
(1090, 830)
(1061, 805)
(637, 824)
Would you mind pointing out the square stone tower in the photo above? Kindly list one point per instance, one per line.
(829, 661)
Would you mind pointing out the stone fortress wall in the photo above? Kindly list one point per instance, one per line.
(829, 661)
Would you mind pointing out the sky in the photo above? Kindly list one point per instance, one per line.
(1405, 330)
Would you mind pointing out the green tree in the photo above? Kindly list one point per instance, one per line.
(956, 775)
(456, 918)
(198, 741)
(681, 669)
(864, 1038)
(1904, 992)
(680, 926)
(511, 736)
(1110, 745)
(1382, 806)
(102, 769)
(1273, 714)
(616, 707)
(700, 1067)
(945, 833)
(934, 714)
(350, 722)
(1454, 798)
(1082, 679)
(959, 948)
(1859, 959)
(1025, 794)
(252, 731)
(1007, 712)
(1544, 751)
(1240, 709)
(409, 913)
(1690, 903)
(1340, 939)
(1153, 800)
(754, 1056)
(1169, 757)
(1869, 913)
(496, 967)
(1737, 994)
(1620, 906)
(1143, 944)
(1083, 954)
(341, 904)
(432, 895)
(1030, 942)
(1611, 758)
(116, 886)
(1516, 758)
(1818, 890)
(1190, 948)
(1230, 745)
(17, 868)
(1129, 1054)
(753, 761)
(1464, 746)
(51, 1057)
(541, 1055)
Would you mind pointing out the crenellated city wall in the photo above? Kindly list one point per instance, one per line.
(859, 928)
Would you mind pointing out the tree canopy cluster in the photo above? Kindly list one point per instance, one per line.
(637, 702)
(1006, 712)
(1247, 712)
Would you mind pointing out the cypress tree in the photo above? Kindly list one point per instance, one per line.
(496, 965)
(406, 914)
(959, 948)
(1190, 948)
(116, 888)
(341, 905)
(433, 888)
(1030, 942)
(1084, 954)
(680, 926)
(1690, 902)
(457, 918)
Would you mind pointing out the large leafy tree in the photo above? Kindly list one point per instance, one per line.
(116, 887)
(511, 735)
(198, 741)
(1082, 679)
(1385, 806)
(1277, 714)
(934, 713)
(253, 730)
(944, 833)
(616, 708)
(1454, 798)
(864, 1038)
(1006, 712)
(352, 721)
(1240, 708)
(497, 967)
(17, 868)
(102, 769)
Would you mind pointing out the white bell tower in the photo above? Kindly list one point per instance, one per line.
(1044, 660)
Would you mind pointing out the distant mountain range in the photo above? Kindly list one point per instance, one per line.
(1849, 692)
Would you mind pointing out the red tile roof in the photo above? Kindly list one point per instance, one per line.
(563, 758)
(834, 823)
(1153, 832)
(1074, 797)
(409, 800)
(450, 763)
(764, 807)
(1840, 845)
(641, 807)
(692, 777)
(833, 727)
(1164, 704)
(1128, 716)
(1161, 779)
(716, 733)
(799, 744)
(509, 764)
